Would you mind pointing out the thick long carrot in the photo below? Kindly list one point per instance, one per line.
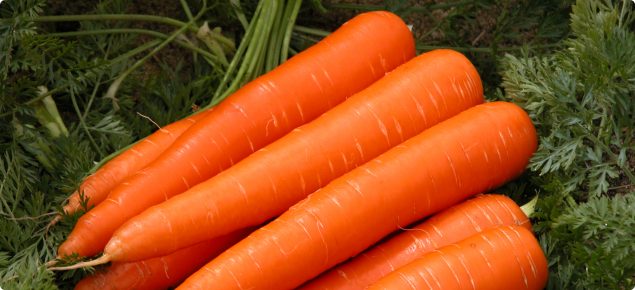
(98, 185)
(407, 101)
(450, 226)
(161, 272)
(475, 151)
(501, 258)
(298, 91)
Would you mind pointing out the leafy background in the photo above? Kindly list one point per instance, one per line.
(569, 64)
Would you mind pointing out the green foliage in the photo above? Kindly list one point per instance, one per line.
(581, 99)
(589, 246)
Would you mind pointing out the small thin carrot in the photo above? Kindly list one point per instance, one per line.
(501, 258)
(162, 272)
(473, 152)
(450, 226)
(298, 91)
(98, 185)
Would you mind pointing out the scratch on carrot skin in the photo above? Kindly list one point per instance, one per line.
(326, 246)
(449, 266)
(251, 145)
(331, 166)
(483, 211)
(474, 223)
(243, 112)
(341, 273)
(423, 276)
(165, 219)
(456, 178)
(508, 209)
(437, 230)
(408, 280)
(136, 152)
(149, 141)
(317, 82)
(359, 147)
(398, 127)
(196, 169)
(520, 265)
(356, 187)
(434, 101)
(249, 253)
(383, 254)
(372, 69)
(165, 268)
(301, 113)
(369, 172)
(462, 259)
(434, 187)
(186, 184)
(432, 275)
(504, 143)
(143, 275)
(530, 257)
(440, 95)
(233, 276)
(242, 189)
(381, 127)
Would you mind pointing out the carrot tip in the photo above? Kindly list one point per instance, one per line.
(101, 260)
(50, 263)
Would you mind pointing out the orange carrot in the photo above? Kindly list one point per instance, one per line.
(475, 151)
(450, 226)
(407, 101)
(298, 91)
(162, 272)
(501, 258)
(98, 185)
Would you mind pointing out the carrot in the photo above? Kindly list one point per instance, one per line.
(501, 258)
(475, 151)
(450, 226)
(404, 103)
(98, 185)
(161, 272)
(261, 112)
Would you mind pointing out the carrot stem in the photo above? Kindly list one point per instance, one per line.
(530, 207)
(287, 34)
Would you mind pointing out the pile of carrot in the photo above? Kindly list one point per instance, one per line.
(343, 144)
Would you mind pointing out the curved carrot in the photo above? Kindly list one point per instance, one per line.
(407, 101)
(501, 258)
(450, 226)
(298, 91)
(98, 185)
(475, 151)
(162, 272)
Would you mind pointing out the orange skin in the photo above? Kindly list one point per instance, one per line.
(264, 185)
(161, 272)
(461, 221)
(98, 185)
(298, 91)
(501, 258)
(473, 152)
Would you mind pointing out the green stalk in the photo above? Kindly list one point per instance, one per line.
(289, 29)
(261, 45)
(381, 7)
(138, 31)
(187, 10)
(112, 90)
(240, 14)
(530, 207)
(131, 17)
(83, 123)
(312, 31)
(239, 52)
(89, 74)
(274, 46)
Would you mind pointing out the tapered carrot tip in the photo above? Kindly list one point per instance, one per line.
(101, 260)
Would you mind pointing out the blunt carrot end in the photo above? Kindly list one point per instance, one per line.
(101, 260)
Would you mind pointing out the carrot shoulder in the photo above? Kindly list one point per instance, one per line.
(501, 258)
(473, 152)
(461, 221)
(298, 91)
(161, 272)
(410, 99)
(98, 185)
